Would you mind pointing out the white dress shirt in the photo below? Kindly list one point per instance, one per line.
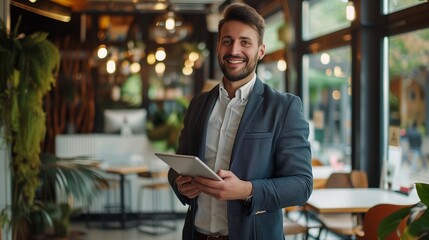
(211, 216)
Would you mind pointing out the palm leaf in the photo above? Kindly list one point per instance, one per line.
(75, 178)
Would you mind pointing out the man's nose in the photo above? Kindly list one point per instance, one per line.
(235, 48)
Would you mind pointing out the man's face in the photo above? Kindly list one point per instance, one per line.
(238, 51)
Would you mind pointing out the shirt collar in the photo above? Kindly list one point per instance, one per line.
(242, 93)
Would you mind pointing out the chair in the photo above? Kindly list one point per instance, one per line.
(316, 162)
(157, 183)
(339, 180)
(292, 227)
(359, 179)
(373, 218)
(344, 223)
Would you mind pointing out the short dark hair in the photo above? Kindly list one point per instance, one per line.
(246, 14)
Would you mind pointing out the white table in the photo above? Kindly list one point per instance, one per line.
(354, 200)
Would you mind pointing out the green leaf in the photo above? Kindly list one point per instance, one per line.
(423, 192)
(420, 226)
(391, 223)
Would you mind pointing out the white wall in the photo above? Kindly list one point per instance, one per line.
(5, 184)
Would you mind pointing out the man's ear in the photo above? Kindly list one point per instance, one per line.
(261, 51)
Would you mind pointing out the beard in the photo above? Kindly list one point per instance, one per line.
(247, 70)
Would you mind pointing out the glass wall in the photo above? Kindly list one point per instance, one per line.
(396, 97)
(408, 74)
(327, 77)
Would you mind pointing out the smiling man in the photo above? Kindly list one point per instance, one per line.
(253, 136)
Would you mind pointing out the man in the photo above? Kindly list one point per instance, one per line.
(254, 137)
(415, 142)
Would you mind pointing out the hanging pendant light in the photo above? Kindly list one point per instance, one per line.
(169, 28)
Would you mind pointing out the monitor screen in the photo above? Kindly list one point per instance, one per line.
(116, 120)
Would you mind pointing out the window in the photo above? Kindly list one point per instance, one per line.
(408, 75)
(273, 24)
(327, 80)
(396, 5)
(323, 16)
(273, 73)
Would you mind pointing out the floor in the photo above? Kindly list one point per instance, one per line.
(95, 233)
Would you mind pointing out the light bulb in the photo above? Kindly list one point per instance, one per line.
(350, 11)
(111, 66)
(160, 54)
(102, 52)
(170, 23)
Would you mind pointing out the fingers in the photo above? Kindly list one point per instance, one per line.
(186, 187)
(191, 193)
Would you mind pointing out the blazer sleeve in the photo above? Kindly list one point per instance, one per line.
(292, 180)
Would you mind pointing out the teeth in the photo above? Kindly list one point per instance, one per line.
(235, 61)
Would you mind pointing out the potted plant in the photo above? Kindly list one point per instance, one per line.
(28, 68)
(29, 65)
(65, 181)
(416, 216)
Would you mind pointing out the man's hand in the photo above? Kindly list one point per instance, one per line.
(186, 187)
(230, 188)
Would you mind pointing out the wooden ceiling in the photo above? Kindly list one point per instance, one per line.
(190, 10)
(264, 7)
(139, 5)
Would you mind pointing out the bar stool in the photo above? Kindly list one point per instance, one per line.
(111, 204)
(157, 221)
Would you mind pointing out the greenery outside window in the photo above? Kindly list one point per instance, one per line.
(321, 17)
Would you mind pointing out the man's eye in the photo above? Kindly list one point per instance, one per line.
(226, 42)
(245, 43)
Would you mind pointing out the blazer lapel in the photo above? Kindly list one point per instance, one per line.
(204, 119)
(255, 100)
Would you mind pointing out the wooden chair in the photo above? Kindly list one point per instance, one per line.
(373, 218)
(316, 162)
(359, 179)
(339, 180)
(344, 223)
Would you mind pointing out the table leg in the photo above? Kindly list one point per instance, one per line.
(122, 200)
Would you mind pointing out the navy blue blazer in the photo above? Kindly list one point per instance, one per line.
(271, 150)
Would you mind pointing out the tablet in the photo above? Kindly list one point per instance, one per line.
(188, 165)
